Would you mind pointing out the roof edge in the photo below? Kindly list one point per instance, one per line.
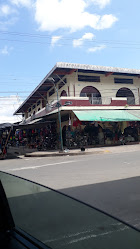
(50, 72)
(80, 66)
(97, 68)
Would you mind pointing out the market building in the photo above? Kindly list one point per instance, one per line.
(86, 105)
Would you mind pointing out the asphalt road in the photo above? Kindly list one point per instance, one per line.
(110, 182)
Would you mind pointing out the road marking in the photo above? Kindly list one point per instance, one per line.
(34, 159)
(41, 166)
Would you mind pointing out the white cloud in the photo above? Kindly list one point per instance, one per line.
(79, 42)
(55, 39)
(97, 48)
(7, 16)
(8, 105)
(88, 36)
(101, 3)
(69, 14)
(106, 21)
(25, 3)
(6, 50)
(6, 10)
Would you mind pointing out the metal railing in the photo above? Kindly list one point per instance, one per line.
(101, 101)
(130, 100)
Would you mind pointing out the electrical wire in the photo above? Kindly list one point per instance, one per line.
(31, 35)
(96, 42)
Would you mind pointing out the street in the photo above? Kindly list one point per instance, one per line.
(110, 181)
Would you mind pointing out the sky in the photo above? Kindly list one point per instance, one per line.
(35, 34)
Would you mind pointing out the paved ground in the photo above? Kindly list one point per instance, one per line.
(14, 152)
(65, 172)
(109, 181)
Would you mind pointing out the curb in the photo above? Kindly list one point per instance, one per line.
(63, 154)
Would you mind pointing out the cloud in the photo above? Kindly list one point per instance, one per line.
(5, 50)
(6, 10)
(55, 39)
(86, 37)
(106, 21)
(25, 3)
(7, 16)
(97, 48)
(69, 14)
(7, 107)
(101, 3)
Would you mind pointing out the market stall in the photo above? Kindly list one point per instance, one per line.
(5, 131)
(37, 135)
(92, 128)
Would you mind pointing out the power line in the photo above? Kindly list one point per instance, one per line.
(15, 33)
(131, 46)
(64, 44)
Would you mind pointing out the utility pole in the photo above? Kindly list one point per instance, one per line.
(59, 114)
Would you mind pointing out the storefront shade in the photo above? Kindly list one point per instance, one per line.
(106, 115)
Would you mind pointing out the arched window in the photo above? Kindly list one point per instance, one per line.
(93, 94)
(63, 93)
(127, 93)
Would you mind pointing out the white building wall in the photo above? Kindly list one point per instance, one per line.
(35, 109)
(54, 96)
(106, 86)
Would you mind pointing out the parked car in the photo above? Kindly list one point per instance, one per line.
(35, 216)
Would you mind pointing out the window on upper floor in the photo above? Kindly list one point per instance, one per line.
(63, 93)
(123, 81)
(29, 110)
(93, 94)
(127, 93)
(88, 78)
(33, 107)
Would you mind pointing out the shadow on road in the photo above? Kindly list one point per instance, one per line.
(120, 198)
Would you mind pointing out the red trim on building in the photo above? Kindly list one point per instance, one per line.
(107, 74)
(118, 102)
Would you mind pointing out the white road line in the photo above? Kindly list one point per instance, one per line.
(41, 166)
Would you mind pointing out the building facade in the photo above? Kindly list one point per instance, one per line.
(86, 95)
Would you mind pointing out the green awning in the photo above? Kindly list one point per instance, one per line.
(106, 115)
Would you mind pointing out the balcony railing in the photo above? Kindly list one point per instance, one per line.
(100, 100)
(93, 101)
(107, 100)
(130, 100)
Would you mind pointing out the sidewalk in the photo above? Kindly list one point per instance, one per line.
(99, 150)
(21, 151)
